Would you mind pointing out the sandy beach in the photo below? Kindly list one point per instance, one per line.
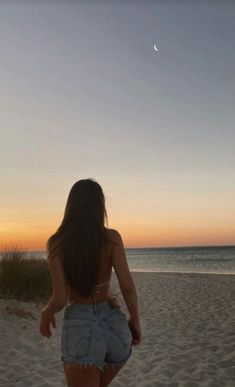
(188, 326)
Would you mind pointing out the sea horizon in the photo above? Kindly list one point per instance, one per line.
(164, 247)
(183, 259)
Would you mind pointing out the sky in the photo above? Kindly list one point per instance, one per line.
(85, 95)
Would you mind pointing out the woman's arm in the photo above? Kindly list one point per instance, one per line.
(59, 296)
(127, 286)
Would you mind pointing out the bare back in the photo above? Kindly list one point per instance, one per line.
(103, 276)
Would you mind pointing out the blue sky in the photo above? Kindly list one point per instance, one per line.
(84, 94)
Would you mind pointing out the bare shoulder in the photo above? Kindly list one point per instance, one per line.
(119, 261)
(114, 236)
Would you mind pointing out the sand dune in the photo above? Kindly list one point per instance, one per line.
(188, 324)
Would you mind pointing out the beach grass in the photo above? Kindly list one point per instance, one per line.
(22, 276)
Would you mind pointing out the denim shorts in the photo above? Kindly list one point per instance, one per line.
(95, 334)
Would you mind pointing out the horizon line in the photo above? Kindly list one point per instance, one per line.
(165, 247)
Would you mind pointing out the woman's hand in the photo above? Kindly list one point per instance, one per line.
(135, 331)
(46, 320)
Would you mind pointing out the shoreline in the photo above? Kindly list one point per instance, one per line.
(180, 272)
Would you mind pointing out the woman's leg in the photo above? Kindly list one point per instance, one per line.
(81, 376)
(108, 374)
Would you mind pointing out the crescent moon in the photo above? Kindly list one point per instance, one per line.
(155, 48)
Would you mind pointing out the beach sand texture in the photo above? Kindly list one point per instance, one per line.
(188, 326)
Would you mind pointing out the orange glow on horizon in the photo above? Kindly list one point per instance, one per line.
(159, 235)
(158, 228)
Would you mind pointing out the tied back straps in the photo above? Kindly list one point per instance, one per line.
(98, 286)
(96, 291)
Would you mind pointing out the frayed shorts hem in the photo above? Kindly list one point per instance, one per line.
(101, 366)
(72, 363)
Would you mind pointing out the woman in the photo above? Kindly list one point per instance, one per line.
(96, 336)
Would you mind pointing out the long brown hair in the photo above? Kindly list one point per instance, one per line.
(81, 236)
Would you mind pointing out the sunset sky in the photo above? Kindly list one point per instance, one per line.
(83, 94)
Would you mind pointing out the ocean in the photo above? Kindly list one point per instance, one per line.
(212, 259)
